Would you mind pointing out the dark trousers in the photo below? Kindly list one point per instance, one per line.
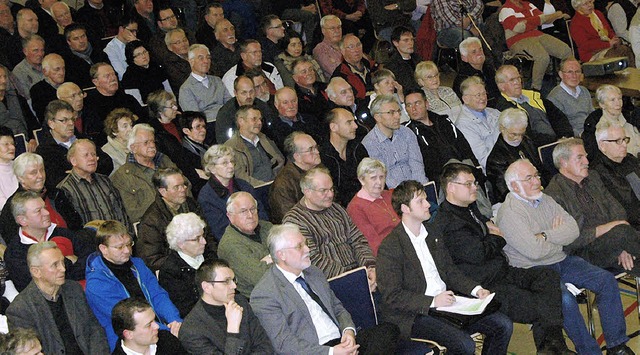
(604, 251)
(532, 296)
(496, 327)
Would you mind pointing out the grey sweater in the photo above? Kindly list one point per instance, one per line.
(576, 110)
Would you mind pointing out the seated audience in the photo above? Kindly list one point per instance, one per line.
(474, 63)
(86, 120)
(299, 11)
(610, 101)
(573, 99)
(311, 90)
(14, 111)
(536, 229)
(44, 91)
(166, 21)
(29, 170)
(251, 58)
(384, 83)
(273, 31)
(113, 275)
(134, 179)
(512, 144)
(117, 127)
(290, 119)
(336, 245)
(355, 18)
(606, 238)
(222, 321)
(594, 36)
(327, 53)
(619, 170)
(176, 62)
(200, 91)
(55, 143)
(218, 163)
(403, 61)
(293, 289)
(416, 273)
(134, 322)
(35, 226)
(442, 99)
(163, 111)
(225, 51)
(55, 308)
(302, 155)
(8, 180)
(171, 199)
(355, 68)
(26, 25)
(475, 243)
(371, 209)
(438, 138)
(547, 123)
(257, 159)
(143, 72)
(292, 51)
(100, 17)
(342, 153)
(394, 144)
(115, 49)
(340, 95)
(520, 20)
(29, 71)
(80, 56)
(92, 195)
(187, 240)
(455, 21)
(244, 242)
(213, 13)
(194, 133)
(20, 340)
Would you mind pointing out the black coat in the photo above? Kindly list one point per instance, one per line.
(179, 280)
(344, 173)
(147, 80)
(404, 70)
(167, 344)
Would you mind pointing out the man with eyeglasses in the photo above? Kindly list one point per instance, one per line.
(619, 170)
(474, 63)
(244, 243)
(113, 275)
(475, 243)
(166, 20)
(222, 321)
(176, 62)
(340, 95)
(539, 233)
(336, 244)
(290, 119)
(394, 144)
(87, 121)
(273, 31)
(171, 199)
(327, 53)
(251, 58)
(302, 155)
(355, 68)
(570, 97)
(547, 123)
(127, 32)
(607, 239)
(54, 144)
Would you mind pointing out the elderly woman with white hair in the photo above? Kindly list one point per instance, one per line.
(218, 163)
(185, 235)
(442, 99)
(512, 144)
(610, 101)
(371, 209)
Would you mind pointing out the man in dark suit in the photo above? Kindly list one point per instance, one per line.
(297, 308)
(416, 274)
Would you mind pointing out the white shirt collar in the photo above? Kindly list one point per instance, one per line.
(569, 91)
(152, 349)
(193, 262)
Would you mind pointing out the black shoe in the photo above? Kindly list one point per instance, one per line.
(621, 349)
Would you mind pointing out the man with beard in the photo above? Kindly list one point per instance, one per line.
(225, 51)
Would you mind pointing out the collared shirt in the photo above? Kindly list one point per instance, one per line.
(535, 203)
(193, 262)
(204, 80)
(325, 327)
(115, 52)
(482, 115)
(571, 92)
(152, 349)
(24, 239)
(435, 285)
(365, 195)
(254, 141)
(156, 160)
(68, 143)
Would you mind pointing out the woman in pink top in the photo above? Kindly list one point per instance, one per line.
(371, 209)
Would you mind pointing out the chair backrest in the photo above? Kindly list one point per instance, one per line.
(546, 156)
(38, 134)
(352, 289)
(21, 143)
(432, 195)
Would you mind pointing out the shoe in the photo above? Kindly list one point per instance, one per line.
(621, 349)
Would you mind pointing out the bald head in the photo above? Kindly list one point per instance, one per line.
(53, 68)
(72, 94)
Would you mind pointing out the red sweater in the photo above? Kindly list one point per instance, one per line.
(586, 37)
(375, 219)
(511, 14)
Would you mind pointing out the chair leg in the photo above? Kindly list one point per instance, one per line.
(590, 321)
(637, 279)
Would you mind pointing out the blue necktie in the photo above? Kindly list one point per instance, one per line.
(302, 282)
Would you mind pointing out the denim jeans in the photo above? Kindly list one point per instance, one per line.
(582, 274)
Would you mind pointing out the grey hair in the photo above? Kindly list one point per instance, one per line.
(577, 3)
(603, 90)
(326, 18)
(468, 82)
(234, 196)
(513, 117)
(500, 75)
(214, 153)
(134, 132)
(602, 128)
(23, 160)
(511, 174)
(562, 151)
(306, 182)
(331, 92)
(380, 100)
(33, 255)
(170, 33)
(370, 166)
(277, 236)
(19, 201)
(182, 227)
(194, 47)
(464, 45)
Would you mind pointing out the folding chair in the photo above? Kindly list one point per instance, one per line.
(623, 278)
(545, 153)
(352, 289)
(432, 196)
(20, 143)
(38, 134)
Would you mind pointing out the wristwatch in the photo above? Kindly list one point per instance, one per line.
(397, 6)
(544, 235)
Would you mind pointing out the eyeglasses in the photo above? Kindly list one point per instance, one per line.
(174, 106)
(252, 210)
(392, 112)
(298, 247)
(429, 77)
(467, 184)
(65, 120)
(181, 41)
(226, 282)
(144, 52)
(168, 18)
(134, 31)
(278, 26)
(514, 80)
(147, 142)
(353, 46)
(197, 239)
(479, 95)
(226, 163)
(572, 72)
(530, 178)
(312, 149)
(618, 141)
(123, 246)
(77, 95)
(324, 191)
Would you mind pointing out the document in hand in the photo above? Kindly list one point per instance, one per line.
(468, 306)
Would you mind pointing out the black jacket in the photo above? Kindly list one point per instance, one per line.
(167, 344)
(344, 173)
(179, 280)
(404, 70)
